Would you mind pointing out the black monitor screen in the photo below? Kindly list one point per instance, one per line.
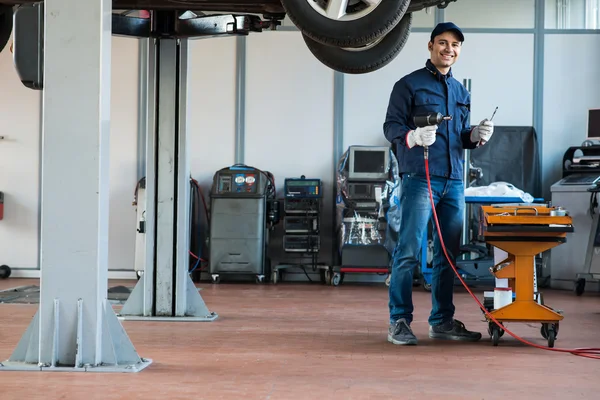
(594, 124)
(369, 161)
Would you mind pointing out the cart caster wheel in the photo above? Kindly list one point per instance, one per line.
(260, 278)
(427, 286)
(336, 280)
(551, 338)
(4, 271)
(388, 280)
(579, 286)
(492, 326)
(495, 336)
(545, 332)
(215, 278)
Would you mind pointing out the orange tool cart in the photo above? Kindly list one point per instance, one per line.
(523, 231)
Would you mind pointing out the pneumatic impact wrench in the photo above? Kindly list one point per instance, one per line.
(433, 118)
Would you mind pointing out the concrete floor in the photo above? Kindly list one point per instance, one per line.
(302, 341)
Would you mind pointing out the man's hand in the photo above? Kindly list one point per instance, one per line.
(483, 132)
(421, 136)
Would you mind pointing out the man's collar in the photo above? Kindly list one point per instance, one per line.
(433, 69)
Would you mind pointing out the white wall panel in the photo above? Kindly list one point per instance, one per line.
(123, 152)
(366, 96)
(424, 18)
(289, 105)
(19, 163)
(570, 89)
(500, 67)
(19, 159)
(211, 107)
(572, 14)
(492, 13)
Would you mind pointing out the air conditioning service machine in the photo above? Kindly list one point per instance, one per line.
(243, 210)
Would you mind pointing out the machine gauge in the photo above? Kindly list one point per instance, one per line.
(250, 180)
(239, 179)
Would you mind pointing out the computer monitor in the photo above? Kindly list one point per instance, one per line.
(368, 162)
(593, 124)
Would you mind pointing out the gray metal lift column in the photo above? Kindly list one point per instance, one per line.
(75, 327)
(166, 290)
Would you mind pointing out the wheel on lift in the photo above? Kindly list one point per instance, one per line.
(215, 278)
(579, 286)
(427, 286)
(139, 274)
(5, 271)
(260, 278)
(350, 25)
(388, 280)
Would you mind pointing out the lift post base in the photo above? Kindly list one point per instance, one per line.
(196, 310)
(118, 354)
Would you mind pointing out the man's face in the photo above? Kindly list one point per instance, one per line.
(445, 50)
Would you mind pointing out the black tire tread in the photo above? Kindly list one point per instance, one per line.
(338, 40)
(330, 56)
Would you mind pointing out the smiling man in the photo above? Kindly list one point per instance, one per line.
(430, 89)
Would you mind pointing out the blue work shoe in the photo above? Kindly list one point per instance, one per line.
(453, 330)
(400, 333)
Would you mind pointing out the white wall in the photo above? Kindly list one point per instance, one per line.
(20, 159)
(572, 14)
(289, 115)
(211, 107)
(500, 67)
(492, 13)
(19, 163)
(570, 89)
(123, 152)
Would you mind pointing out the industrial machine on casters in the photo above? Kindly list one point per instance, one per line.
(243, 209)
(302, 206)
(363, 179)
(577, 263)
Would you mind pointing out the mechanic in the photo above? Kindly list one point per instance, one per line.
(430, 89)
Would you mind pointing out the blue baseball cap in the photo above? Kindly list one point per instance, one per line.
(445, 27)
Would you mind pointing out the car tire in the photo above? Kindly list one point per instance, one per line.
(348, 32)
(365, 59)
(6, 25)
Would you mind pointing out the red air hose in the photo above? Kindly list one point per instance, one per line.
(582, 352)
